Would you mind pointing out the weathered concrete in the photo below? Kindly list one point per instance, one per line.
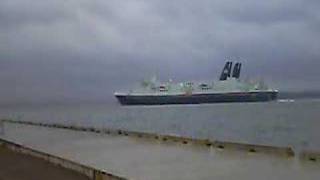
(12, 151)
(253, 148)
(17, 166)
(147, 159)
(310, 155)
(1, 127)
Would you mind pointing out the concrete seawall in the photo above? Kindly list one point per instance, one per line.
(147, 156)
(252, 148)
(304, 154)
(87, 171)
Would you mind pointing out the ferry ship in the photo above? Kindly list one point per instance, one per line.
(228, 88)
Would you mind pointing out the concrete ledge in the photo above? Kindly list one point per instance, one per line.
(90, 172)
(251, 148)
(310, 155)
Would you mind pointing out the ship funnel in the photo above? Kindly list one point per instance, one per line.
(226, 72)
(236, 70)
(239, 70)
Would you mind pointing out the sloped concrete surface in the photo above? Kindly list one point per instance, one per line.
(16, 166)
(144, 159)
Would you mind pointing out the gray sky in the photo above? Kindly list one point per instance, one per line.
(58, 50)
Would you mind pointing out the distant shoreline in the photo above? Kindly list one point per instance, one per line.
(299, 95)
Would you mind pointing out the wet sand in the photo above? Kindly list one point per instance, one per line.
(15, 166)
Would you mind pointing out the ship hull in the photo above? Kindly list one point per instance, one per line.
(197, 98)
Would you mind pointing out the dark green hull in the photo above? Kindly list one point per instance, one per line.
(197, 98)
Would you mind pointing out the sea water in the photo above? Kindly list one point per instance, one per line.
(293, 123)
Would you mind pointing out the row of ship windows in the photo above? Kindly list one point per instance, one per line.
(201, 86)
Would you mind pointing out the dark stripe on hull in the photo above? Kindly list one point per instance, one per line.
(197, 98)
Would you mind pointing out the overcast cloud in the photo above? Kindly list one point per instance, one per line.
(67, 50)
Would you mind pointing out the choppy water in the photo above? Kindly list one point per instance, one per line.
(285, 122)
